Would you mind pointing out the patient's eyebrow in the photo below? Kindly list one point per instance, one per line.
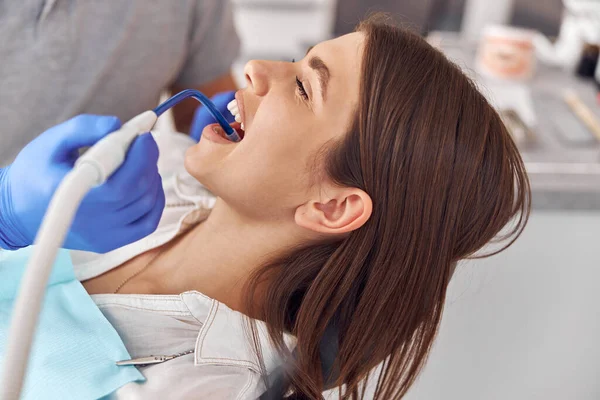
(323, 72)
(318, 65)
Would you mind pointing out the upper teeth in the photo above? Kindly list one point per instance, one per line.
(235, 111)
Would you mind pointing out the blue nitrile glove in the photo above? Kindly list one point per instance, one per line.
(124, 209)
(202, 117)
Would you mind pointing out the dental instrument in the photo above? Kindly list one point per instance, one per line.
(229, 131)
(93, 168)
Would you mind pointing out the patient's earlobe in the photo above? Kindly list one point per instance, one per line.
(344, 210)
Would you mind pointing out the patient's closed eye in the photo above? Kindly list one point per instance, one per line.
(301, 89)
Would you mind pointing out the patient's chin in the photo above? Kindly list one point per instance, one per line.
(193, 161)
(203, 165)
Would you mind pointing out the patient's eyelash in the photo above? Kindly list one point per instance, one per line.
(300, 85)
(301, 89)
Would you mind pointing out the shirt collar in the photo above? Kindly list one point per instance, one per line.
(225, 338)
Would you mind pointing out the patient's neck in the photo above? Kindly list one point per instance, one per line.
(217, 256)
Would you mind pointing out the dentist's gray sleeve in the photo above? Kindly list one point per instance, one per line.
(214, 44)
(60, 58)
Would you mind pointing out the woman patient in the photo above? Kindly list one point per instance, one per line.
(366, 172)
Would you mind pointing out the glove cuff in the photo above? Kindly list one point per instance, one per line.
(10, 236)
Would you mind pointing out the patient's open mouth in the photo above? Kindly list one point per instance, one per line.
(218, 129)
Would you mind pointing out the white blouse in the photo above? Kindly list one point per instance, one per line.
(218, 361)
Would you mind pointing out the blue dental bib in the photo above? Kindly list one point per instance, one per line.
(75, 348)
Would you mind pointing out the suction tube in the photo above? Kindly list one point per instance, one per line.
(195, 94)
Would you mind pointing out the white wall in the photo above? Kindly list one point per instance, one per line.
(524, 324)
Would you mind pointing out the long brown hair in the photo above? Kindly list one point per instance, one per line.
(445, 178)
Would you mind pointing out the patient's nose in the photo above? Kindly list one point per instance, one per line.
(259, 75)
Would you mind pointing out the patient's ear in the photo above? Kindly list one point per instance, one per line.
(338, 210)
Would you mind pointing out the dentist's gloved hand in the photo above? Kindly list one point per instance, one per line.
(127, 207)
(202, 117)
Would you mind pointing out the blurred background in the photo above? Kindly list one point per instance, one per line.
(283, 29)
(524, 324)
